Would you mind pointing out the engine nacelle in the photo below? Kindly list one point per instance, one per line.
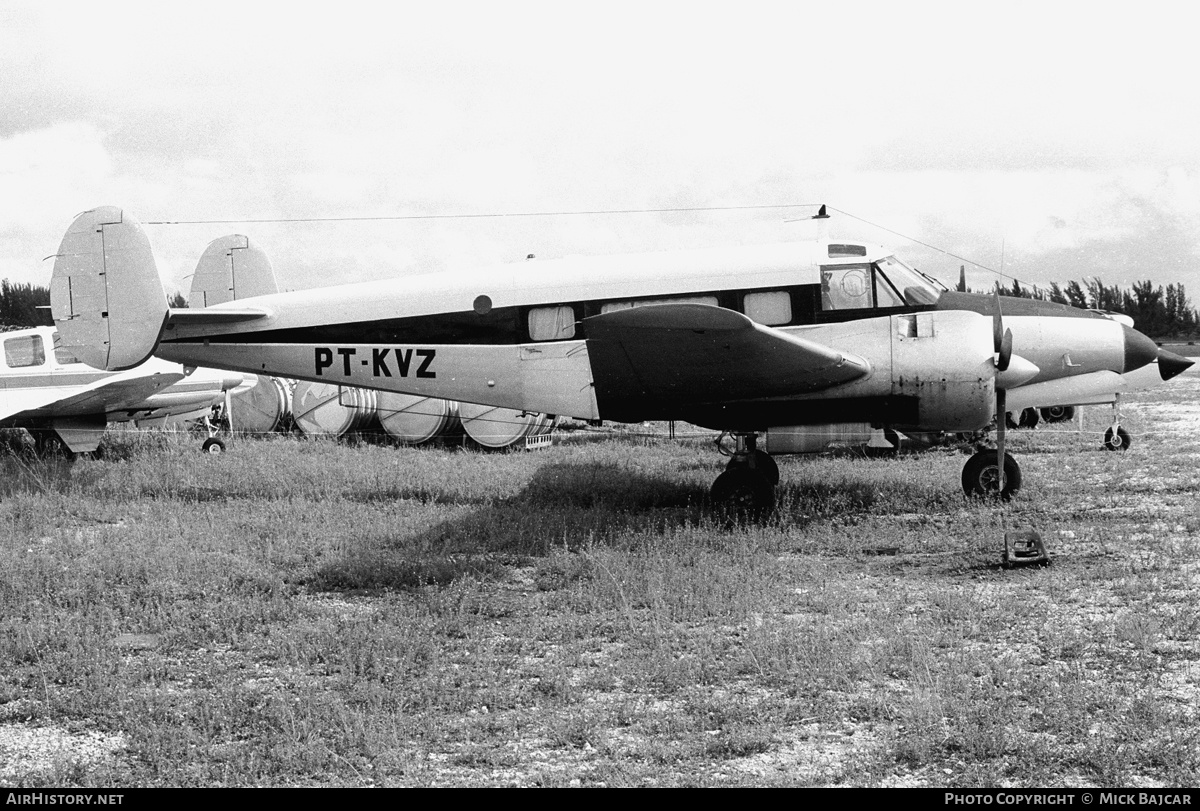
(945, 361)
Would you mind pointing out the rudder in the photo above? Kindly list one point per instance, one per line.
(105, 294)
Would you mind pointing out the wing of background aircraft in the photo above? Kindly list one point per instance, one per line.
(116, 393)
(55, 397)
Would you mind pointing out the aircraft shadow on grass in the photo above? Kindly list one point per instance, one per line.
(568, 506)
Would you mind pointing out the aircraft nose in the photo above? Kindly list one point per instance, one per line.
(1170, 364)
(1139, 349)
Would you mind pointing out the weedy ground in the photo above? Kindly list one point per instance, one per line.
(305, 613)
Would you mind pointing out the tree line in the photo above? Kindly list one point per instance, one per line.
(28, 305)
(1160, 312)
(24, 305)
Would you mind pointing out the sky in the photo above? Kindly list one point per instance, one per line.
(1039, 141)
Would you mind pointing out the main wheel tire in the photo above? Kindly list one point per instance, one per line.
(48, 444)
(1118, 441)
(981, 475)
(213, 445)
(743, 492)
(763, 462)
(1058, 413)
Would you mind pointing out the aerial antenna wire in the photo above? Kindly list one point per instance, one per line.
(495, 215)
(576, 213)
(979, 265)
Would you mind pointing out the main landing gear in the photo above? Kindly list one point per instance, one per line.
(981, 474)
(747, 487)
(993, 471)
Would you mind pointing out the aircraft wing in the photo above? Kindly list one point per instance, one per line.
(18, 401)
(655, 359)
(106, 395)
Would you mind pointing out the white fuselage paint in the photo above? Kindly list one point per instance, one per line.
(947, 362)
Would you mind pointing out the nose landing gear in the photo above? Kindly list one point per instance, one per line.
(1117, 438)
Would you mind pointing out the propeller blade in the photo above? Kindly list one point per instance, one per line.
(1002, 339)
(1004, 351)
(1001, 413)
(997, 325)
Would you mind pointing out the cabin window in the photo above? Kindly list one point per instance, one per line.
(61, 354)
(26, 350)
(836, 250)
(771, 308)
(846, 287)
(551, 323)
(625, 305)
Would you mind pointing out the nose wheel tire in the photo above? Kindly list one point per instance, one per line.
(213, 445)
(1118, 440)
(981, 475)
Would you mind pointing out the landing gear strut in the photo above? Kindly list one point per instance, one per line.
(991, 472)
(747, 487)
(1117, 438)
(214, 444)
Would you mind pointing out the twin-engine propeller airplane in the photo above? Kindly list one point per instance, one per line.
(66, 405)
(1029, 404)
(736, 339)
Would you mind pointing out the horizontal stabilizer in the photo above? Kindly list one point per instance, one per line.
(187, 317)
(652, 361)
(105, 294)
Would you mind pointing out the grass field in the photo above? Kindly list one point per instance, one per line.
(299, 613)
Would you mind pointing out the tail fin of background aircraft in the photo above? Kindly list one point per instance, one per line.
(105, 293)
(231, 267)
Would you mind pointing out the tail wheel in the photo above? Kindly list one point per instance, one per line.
(744, 492)
(981, 475)
(213, 445)
(1118, 440)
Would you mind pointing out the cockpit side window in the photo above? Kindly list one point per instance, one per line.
(916, 288)
(846, 287)
(886, 283)
(885, 294)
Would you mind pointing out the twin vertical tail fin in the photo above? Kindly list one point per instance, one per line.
(105, 294)
(230, 268)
